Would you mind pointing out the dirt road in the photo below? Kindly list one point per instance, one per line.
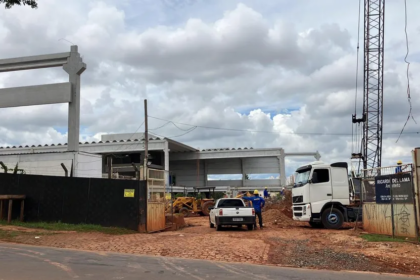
(280, 244)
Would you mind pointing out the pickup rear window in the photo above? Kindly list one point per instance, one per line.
(230, 203)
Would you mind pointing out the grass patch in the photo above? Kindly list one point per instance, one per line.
(71, 227)
(385, 238)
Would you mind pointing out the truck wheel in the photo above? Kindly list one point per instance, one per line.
(316, 225)
(218, 227)
(250, 227)
(332, 218)
(205, 208)
(211, 225)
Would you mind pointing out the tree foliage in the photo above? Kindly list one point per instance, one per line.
(10, 3)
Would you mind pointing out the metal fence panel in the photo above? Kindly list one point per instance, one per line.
(79, 200)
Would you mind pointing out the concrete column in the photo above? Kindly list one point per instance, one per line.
(205, 172)
(74, 67)
(243, 172)
(282, 165)
(166, 152)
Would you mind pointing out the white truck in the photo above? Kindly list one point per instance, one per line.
(325, 196)
(231, 212)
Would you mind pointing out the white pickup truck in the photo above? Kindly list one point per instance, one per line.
(231, 212)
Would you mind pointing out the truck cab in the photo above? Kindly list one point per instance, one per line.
(324, 195)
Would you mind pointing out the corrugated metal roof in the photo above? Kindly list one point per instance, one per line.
(80, 143)
(226, 149)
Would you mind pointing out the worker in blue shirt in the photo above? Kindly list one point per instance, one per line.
(258, 203)
(399, 168)
(266, 195)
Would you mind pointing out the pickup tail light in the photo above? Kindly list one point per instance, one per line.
(253, 212)
(221, 212)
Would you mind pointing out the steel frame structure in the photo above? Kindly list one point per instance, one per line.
(373, 82)
(374, 21)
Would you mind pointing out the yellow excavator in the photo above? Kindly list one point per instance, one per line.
(248, 194)
(186, 205)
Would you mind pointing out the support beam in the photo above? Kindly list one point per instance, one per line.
(35, 95)
(72, 63)
(166, 175)
(243, 172)
(74, 67)
(33, 62)
(282, 165)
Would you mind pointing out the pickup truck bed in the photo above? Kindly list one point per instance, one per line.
(231, 212)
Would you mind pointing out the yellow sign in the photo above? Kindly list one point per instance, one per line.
(128, 193)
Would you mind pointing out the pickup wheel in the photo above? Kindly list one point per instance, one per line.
(250, 227)
(332, 218)
(218, 227)
(211, 224)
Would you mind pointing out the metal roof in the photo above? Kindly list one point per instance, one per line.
(185, 148)
(85, 143)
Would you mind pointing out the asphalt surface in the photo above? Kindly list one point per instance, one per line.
(19, 262)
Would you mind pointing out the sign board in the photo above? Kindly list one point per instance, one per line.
(129, 193)
(401, 188)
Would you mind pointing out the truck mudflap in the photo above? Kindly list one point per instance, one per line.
(222, 221)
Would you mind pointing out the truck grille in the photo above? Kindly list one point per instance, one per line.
(298, 199)
(297, 208)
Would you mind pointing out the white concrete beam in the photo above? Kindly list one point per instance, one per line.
(33, 62)
(35, 95)
(226, 154)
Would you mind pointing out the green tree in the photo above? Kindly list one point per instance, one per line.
(10, 3)
(246, 177)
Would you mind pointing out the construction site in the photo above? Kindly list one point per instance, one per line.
(145, 194)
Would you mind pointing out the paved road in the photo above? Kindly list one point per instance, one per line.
(20, 262)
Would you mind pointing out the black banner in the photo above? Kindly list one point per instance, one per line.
(401, 188)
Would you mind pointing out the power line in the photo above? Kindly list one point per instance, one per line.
(410, 114)
(272, 132)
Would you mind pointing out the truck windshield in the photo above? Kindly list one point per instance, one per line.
(301, 178)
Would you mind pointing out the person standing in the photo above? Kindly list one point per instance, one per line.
(258, 203)
(399, 167)
(266, 195)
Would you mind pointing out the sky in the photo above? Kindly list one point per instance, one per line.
(278, 69)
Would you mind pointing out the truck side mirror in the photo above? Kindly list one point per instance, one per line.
(310, 181)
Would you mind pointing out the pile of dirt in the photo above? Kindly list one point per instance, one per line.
(277, 217)
(279, 211)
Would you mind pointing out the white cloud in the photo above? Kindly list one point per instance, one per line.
(265, 66)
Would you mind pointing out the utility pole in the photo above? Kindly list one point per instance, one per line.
(146, 141)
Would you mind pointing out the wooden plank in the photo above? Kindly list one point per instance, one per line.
(155, 216)
(7, 197)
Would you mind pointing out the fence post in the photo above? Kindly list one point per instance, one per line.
(415, 205)
(392, 206)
